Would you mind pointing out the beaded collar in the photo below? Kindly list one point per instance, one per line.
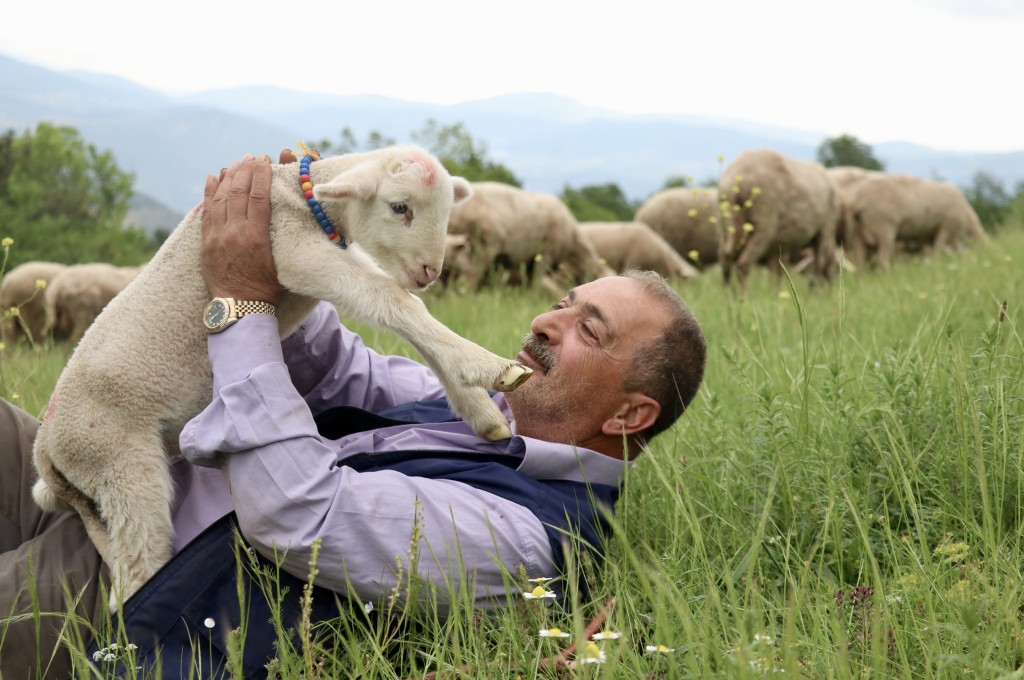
(307, 190)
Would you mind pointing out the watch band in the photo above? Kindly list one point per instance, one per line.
(243, 307)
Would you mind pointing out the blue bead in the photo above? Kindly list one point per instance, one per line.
(318, 210)
(311, 202)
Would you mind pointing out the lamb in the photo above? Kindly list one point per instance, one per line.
(509, 227)
(777, 206)
(77, 295)
(141, 370)
(689, 219)
(634, 244)
(20, 289)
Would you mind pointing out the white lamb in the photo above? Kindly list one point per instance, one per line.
(141, 371)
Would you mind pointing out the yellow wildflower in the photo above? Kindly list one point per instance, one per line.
(553, 633)
(7, 242)
(539, 593)
(693, 255)
(692, 212)
(592, 654)
(748, 227)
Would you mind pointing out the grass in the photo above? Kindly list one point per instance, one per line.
(844, 498)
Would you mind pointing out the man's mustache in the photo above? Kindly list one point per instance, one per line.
(540, 351)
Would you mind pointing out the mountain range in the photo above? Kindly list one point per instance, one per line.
(549, 141)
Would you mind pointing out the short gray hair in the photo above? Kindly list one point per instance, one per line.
(671, 368)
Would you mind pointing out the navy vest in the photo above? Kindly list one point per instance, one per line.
(168, 616)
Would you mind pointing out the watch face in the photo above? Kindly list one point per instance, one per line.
(216, 313)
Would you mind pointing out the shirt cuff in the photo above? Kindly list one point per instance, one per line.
(252, 341)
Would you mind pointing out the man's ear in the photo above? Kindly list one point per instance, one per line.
(636, 413)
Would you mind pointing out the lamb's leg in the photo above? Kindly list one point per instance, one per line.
(123, 492)
(465, 369)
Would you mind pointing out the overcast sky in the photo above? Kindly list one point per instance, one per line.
(944, 73)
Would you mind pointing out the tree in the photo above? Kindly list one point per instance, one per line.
(989, 199)
(348, 143)
(461, 155)
(847, 150)
(684, 181)
(599, 203)
(62, 200)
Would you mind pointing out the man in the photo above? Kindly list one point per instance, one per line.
(320, 441)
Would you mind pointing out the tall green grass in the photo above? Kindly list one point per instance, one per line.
(842, 500)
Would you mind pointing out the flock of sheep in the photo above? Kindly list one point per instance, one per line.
(56, 300)
(768, 208)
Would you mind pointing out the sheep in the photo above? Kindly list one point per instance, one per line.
(889, 209)
(689, 219)
(777, 205)
(509, 227)
(77, 295)
(846, 180)
(141, 370)
(634, 244)
(21, 289)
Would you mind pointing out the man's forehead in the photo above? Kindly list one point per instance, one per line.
(616, 301)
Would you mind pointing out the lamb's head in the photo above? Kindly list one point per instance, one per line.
(395, 203)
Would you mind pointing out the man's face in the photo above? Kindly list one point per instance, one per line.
(580, 352)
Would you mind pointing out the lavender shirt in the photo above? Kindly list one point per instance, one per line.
(256, 449)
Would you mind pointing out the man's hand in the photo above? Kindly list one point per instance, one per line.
(235, 255)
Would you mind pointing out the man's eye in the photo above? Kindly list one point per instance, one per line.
(589, 332)
(399, 208)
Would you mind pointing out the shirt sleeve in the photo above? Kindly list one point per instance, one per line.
(374, 529)
(330, 365)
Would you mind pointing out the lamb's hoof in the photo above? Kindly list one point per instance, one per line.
(501, 432)
(515, 376)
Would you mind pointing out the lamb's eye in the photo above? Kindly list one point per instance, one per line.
(399, 208)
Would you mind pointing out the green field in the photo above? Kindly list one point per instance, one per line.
(843, 499)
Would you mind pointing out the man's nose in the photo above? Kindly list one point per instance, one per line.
(546, 326)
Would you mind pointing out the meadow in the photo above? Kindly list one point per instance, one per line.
(842, 500)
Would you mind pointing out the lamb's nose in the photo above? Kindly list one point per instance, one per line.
(430, 274)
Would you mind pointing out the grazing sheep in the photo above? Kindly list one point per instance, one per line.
(20, 288)
(512, 228)
(846, 180)
(916, 213)
(634, 244)
(141, 370)
(689, 219)
(777, 205)
(77, 295)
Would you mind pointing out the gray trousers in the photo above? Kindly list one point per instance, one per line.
(44, 557)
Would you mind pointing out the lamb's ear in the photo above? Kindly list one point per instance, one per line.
(462, 189)
(359, 183)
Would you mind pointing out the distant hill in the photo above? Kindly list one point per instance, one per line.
(151, 215)
(172, 143)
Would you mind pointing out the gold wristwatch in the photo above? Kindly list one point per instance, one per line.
(222, 312)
